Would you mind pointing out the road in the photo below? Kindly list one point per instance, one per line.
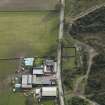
(59, 53)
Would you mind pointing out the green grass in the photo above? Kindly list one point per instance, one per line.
(17, 99)
(69, 62)
(69, 51)
(27, 33)
(8, 67)
(47, 102)
(9, 98)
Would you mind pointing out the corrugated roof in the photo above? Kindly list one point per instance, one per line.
(49, 91)
(26, 81)
(41, 80)
(29, 81)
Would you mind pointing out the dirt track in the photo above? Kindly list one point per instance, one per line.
(17, 5)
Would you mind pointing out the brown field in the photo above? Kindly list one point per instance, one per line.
(21, 5)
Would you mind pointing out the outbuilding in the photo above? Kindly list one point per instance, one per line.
(29, 61)
(49, 91)
(41, 80)
(38, 71)
(26, 81)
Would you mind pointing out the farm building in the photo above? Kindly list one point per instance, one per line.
(44, 80)
(17, 86)
(37, 91)
(49, 91)
(38, 71)
(26, 81)
(28, 61)
(50, 66)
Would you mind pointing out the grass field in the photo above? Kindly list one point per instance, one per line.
(69, 61)
(48, 102)
(27, 33)
(23, 34)
(13, 99)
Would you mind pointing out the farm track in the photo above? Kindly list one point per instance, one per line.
(59, 53)
(84, 13)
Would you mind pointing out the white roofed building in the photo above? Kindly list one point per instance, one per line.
(38, 71)
(29, 61)
(49, 91)
(26, 81)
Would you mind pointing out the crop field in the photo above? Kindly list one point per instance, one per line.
(23, 34)
(21, 5)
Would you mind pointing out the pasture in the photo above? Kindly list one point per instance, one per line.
(27, 33)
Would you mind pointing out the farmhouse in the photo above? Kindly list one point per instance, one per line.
(50, 66)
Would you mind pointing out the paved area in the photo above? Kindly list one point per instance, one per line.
(59, 80)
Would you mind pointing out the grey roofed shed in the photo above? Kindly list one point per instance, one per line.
(49, 62)
(41, 80)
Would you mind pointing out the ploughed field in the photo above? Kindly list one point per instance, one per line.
(21, 5)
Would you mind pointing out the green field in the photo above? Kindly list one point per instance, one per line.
(23, 34)
(69, 61)
(12, 99)
(27, 33)
(48, 102)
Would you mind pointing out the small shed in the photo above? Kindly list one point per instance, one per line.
(49, 91)
(29, 61)
(26, 81)
(38, 91)
(17, 86)
(38, 71)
